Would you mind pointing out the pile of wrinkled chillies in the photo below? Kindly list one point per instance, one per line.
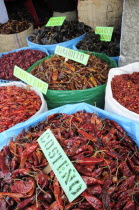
(125, 90)
(91, 42)
(14, 26)
(22, 58)
(17, 105)
(70, 75)
(57, 34)
(103, 154)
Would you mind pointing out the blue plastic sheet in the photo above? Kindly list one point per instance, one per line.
(131, 127)
(116, 58)
(16, 50)
(51, 48)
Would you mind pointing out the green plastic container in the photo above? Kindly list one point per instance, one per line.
(94, 96)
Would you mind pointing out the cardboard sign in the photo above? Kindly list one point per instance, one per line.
(68, 177)
(104, 32)
(30, 79)
(55, 21)
(72, 54)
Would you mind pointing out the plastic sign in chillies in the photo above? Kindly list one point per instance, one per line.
(30, 79)
(70, 180)
(72, 54)
(55, 21)
(105, 33)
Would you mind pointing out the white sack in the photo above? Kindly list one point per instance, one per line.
(113, 106)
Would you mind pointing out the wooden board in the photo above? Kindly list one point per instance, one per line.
(100, 12)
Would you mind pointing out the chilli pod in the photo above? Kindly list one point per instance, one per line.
(92, 42)
(14, 26)
(57, 34)
(103, 154)
(125, 90)
(17, 105)
(70, 75)
(22, 58)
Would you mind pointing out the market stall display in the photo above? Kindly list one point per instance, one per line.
(99, 148)
(122, 91)
(66, 35)
(18, 104)
(76, 156)
(71, 82)
(23, 57)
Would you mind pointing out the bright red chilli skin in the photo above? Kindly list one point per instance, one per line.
(102, 153)
(125, 89)
(17, 105)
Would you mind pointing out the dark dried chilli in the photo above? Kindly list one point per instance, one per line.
(113, 172)
(70, 75)
(91, 42)
(57, 34)
(23, 59)
(17, 105)
(125, 89)
(14, 26)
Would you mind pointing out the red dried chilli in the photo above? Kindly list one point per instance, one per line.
(16, 105)
(70, 75)
(106, 158)
(23, 58)
(125, 89)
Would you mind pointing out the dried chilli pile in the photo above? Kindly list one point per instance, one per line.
(106, 158)
(17, 105)
(125, 89)
(56, 34)
(70, 75)
(14, 26)
(92, 42)
(22, 58)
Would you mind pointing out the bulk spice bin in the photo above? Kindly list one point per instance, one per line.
(92, 42)
(67, 35)
(124, 99)
(18, 104)
(56, 98)
(13, 35)
(110, 173)
(24, 60)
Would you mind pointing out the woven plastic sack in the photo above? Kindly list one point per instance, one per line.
(111, 104)
(116, 58)
(23, 48)
(130, 126)
(42, 109)
(51, 48)
(94, 96)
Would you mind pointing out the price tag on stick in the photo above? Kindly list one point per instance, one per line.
(68, 177)
(30, 79)
(72, 54)
(55, 21)
(105, 33)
